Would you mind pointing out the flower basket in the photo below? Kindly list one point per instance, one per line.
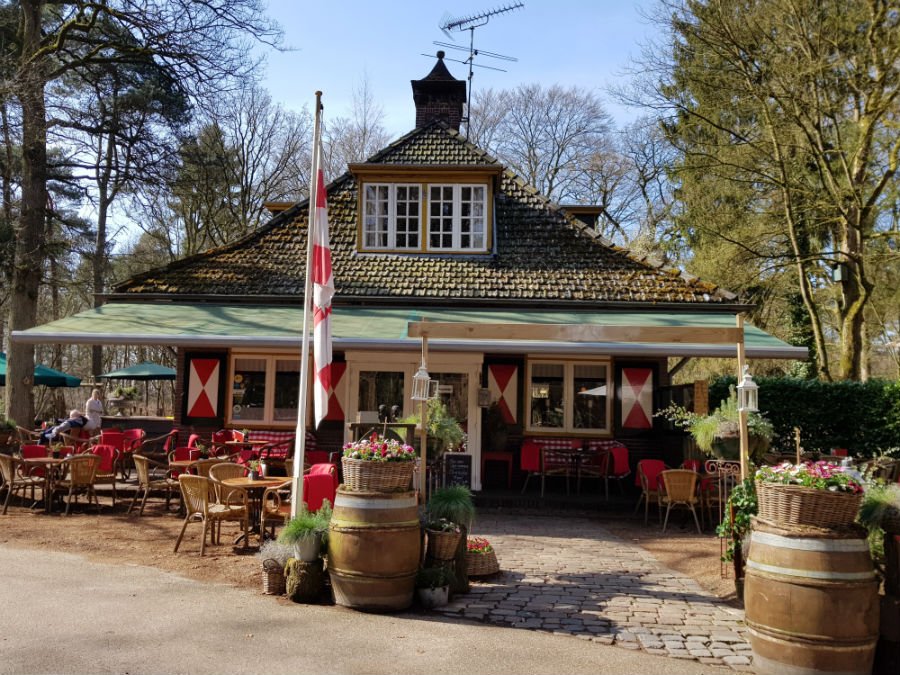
(442, 545)
(273, 577)
(367, 476)
(481, 560)
(799, 505)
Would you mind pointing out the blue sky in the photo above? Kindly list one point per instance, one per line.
(586, 43)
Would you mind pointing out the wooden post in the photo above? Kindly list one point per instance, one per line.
(742, 414)
(423, 444)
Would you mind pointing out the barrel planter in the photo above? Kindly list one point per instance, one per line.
(811, 600)
(374, 549)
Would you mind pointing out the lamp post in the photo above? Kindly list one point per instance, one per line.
(748, 401)
(420, 392)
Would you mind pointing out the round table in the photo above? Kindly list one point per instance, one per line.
(255, 488)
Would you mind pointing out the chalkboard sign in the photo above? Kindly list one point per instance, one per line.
(458, 469)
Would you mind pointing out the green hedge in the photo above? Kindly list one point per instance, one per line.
(861, 416)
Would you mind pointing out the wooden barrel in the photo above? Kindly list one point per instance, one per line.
(811, 600)
(374, 549)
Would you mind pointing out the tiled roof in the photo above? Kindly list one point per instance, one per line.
(542, 253)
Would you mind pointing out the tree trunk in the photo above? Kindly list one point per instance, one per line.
(855, 292)
(29, 248)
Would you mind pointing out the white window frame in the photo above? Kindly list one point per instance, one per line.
(568, 404)
(268, 420)
(391, 217)
(456, 245)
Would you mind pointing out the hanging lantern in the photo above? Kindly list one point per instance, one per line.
(421, 384)
(748, 393)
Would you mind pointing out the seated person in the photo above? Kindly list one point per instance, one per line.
(76, 421)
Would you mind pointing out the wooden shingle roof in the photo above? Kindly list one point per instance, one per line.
(542, 254)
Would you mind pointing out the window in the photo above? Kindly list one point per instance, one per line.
(264, 389)
(391, 216)
(456, 217)
(569, 396)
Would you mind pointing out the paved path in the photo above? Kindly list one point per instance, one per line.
(569, 576)
(64, 614)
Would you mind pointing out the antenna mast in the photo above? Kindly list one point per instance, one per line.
(470, 23)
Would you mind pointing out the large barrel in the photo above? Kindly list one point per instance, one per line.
(374, 549)
(811, 600)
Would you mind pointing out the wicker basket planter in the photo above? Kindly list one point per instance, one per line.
(442, 545)
(798, 505)
(367, 476)
(480, 564)
(273, 578)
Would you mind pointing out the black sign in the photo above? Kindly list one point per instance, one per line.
(458, 469)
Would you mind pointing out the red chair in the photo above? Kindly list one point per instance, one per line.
(110, 458)
(316, 489)
(557, 459)
(182, 454)
(220, 438)
(30, 451)
(530, 461)
(648, 477)
(594, 464)
(619, 468)
(326, 469)
(193, 439)
(134, 439)
(117, 440)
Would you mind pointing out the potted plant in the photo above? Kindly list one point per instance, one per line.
(444, 431)
(819, 494)
(443, 538)
(453, 504)
(274, 556)
(306, 533)
(481, 560)
(718, 434)
(378, 464)
(253, 467)
(433, 586)
(880, 508)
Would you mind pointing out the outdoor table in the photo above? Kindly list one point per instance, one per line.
(235, 446)
(255, 489)
(51, 465)
(182, 465)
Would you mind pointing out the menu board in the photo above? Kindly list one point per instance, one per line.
(458, 469)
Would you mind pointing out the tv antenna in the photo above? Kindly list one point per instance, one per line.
(470, 23)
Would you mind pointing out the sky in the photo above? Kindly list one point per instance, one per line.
(337, 45)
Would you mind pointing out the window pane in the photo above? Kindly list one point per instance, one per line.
(287, 386)
(471, 217)
(407, 220)
(381, 392)
(377, 216)
(248, 389)
(589, 395)
(547, 400)
(440, 223)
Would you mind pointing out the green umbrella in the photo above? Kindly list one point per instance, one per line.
(141, 371)
(42, 375)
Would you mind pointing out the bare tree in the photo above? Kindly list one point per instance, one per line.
(357, 137)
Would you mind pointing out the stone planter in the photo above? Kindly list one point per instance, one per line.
(430, 598)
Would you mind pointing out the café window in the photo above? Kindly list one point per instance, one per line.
(264, 389)
(380, 395)
(569, 396)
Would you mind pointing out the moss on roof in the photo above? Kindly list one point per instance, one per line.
(542, 253)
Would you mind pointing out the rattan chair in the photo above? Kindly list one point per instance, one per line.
(679, 488)
(80, 479)
(195, 492)
(13, 481)
(275, 508)
(146, 482)
(27, 435)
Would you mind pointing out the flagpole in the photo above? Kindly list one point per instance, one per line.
(300, 438)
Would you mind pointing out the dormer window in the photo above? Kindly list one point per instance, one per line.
(425, 209)
(456, 217)
(392, 217)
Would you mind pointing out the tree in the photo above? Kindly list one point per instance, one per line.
(782, 112)
(200, 42)
(355, 138)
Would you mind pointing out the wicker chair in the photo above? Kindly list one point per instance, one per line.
(28, 436)
(648, 471)
(146, 482)
(81, 472)
(195, 492)
(679, 489)
(275, 508)
(110, 459)
(13, 482)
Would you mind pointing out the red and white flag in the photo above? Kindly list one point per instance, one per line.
(323, 290)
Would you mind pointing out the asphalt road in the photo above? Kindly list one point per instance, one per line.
(61, 613)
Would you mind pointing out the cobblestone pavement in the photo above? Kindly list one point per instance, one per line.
(570, 576)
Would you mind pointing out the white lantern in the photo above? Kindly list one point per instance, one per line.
(748, 393)
(421, 381)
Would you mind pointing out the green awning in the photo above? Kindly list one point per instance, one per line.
(269, 326)
(141, 371)
(43, 375)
